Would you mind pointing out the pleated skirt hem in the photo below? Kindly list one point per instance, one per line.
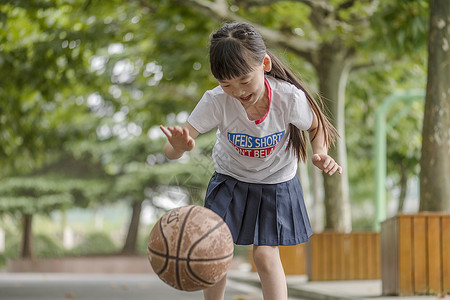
(260, 214)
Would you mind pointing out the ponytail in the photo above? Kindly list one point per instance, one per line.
(297, 137)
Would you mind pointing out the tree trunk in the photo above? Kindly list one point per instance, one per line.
(435, 159)
(317, 194)
(333, 69)
(27, 237)
(403, 187)
(133, 229)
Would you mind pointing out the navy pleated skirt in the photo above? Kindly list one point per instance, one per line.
(260, 214)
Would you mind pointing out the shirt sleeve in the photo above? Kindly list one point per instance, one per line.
(301, 115)
(206, 114)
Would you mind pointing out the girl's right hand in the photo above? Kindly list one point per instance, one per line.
(326, 163)
(179, 138)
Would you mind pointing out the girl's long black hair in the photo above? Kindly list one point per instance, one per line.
(236, 49)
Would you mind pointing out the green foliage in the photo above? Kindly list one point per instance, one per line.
(12, 247)
(366, 90)
(404, 154)
(242, 251)
(45, 246)
(401, 27)
(43, 194)
(95, 243)
(142, 243)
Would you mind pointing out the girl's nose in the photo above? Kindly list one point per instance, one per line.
(238, 93)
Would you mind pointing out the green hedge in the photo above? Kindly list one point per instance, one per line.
(45, 246)
(95, 243)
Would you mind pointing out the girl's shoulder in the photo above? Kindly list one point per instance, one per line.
(216, 92)
(215, 98)
(283, 88)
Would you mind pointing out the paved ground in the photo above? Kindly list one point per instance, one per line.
(300, 287)
(56, 286)
(240, 286)
(36, 286)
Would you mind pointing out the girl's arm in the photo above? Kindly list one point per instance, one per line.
(179, 140)
(320, 158)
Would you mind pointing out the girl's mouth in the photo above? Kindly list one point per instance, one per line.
(245, 99)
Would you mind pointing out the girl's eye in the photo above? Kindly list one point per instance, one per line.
(247, 82)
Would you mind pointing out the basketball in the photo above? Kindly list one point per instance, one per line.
(190, 248)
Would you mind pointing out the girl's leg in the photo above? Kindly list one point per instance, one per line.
(270, 270)
(216, 292)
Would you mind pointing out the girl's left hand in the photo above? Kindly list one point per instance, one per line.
(326, 163)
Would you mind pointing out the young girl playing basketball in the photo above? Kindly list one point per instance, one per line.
(261, 112)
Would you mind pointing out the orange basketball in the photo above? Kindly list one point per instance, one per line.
(190, 248)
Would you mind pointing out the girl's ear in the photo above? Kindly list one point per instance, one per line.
(267, 63)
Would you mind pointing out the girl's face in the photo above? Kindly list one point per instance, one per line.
(250, 88)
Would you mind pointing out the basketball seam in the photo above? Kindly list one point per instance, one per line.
(166, 262)
(188, 260)
(203, 237)
(194, 277)
(180, 237)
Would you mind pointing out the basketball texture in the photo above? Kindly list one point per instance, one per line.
(190, 248)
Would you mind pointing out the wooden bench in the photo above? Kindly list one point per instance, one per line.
(341, 256)
(415, 251)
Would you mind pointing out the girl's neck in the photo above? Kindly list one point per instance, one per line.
(259, 109)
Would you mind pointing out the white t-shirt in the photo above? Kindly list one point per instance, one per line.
(254, 151)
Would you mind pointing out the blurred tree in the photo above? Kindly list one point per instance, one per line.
(135, 185)
(44, 48)
(141, 172)
(404, 154)
(82, 76)
(435, 159)
(143, 179)
(403, 134)
(29, 195)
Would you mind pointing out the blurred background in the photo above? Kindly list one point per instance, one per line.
(85, 84)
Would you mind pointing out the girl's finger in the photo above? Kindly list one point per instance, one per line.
(186, 132)
(180, 130)
(327, 164)
(333, 170)
(177, 131)
(316, 158)
(165, 131)
(190, 143)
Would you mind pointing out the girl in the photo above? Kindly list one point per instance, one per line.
(262, 112)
